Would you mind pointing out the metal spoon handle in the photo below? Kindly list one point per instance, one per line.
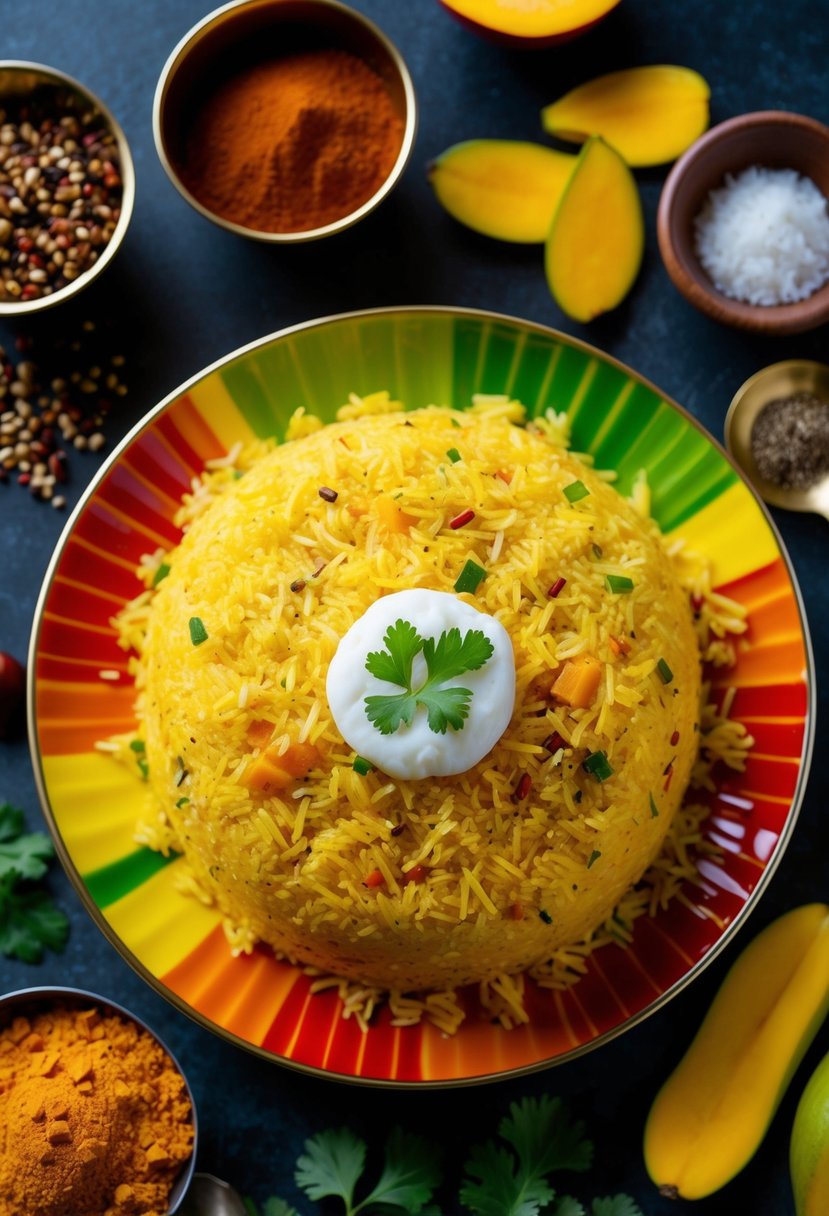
(210, 1196)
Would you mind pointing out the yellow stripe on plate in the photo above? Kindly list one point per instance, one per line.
(97, 803)
(732, 533)
(158, 923)
(220, 412)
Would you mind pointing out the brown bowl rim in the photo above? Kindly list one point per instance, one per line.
(697, 287)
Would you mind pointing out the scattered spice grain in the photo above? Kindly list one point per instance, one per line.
(790, 441)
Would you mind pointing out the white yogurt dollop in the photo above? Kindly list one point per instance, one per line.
(416, 751)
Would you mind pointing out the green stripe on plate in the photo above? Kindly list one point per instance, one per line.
(110, 883)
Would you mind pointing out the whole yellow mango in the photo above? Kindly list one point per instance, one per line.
(713, 1111)
(809, 1152)
(529, 23)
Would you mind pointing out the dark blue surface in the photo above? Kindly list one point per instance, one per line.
(182, 293)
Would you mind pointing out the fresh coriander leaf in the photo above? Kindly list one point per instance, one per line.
(249, 1206)
(331, 1165)
(568, 1206)
(500, 1190)
(451, 656)
(387, 713)
(11, 822)
(410, 1175)
(616, 1205)
(545, 1137)
(27, 856)
(446, 707)
(278, 1207)
(29, 923)
(402, 642)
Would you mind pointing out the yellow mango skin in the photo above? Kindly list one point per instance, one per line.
(597, 238)
(650, 115)
(809, 1151)
(501, 187)
(713, 1111)
(535, 22)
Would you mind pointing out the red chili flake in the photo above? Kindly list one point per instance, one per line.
(374, 879)
(517, 911)
(620, 646)
(522, 789)
(416, 874)
(328, 494)
(553, 742)
(460, 521)
(298, 584)
(668, 778)
(675, 738)
(696, 602)
(557, 588)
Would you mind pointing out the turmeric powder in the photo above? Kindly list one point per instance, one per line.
(294, 143)
(95, 1119)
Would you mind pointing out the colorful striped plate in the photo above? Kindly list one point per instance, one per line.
(421, 355)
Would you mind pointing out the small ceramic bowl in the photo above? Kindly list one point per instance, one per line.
(771, 138)
(246, 32)
(28, 1002)
(20, 78)
(780, 380)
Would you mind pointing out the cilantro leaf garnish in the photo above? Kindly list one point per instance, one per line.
(450, 656)
(29, 921)
(23, 854)
(334, 1161)
(616, 1205)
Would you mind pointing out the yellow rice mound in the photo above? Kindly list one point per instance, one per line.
(474, 884)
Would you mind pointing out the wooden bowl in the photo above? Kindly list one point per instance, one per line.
(771, 138)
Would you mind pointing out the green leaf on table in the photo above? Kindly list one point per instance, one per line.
(331, 1165)
(27, 856)
(616, 1205)
(278, 1207)
(29, 922)
(410, 1174)
(11, 822)
(545, 1136)
(568, 1206)
(499, 1188)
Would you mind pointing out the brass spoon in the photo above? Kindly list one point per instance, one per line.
(773, 382)
(209, 1196)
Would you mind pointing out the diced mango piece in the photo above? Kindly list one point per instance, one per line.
(578, 682)
(650, 115)
(390, 515)
(271, 772)
(259, 733)
(597, 239)
(501, 187)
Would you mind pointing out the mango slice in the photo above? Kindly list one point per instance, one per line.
(809, 1152)
(650, 115)
(502, 187)
(597, 238)
(530, 22)
(713, 1111)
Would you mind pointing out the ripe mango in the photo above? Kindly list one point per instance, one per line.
(529, 23)
(597, 238)
(650, 115)
(502, 187)
(713, 1111)
(809, 1151)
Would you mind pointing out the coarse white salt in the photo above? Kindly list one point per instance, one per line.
(763, 237)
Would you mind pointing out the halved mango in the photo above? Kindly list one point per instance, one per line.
(529, 23)
(597, 238)
(809, 1153)
(650, 115)
(502, 187)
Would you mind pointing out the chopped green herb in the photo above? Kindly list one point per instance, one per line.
(144, 768)
(545, 916)
(598, 766)
(594, 856)
(665, 672)
(470, 578)
(29, 920)
(597, 551)
(137, 745)
(160, 574)
(454, 455)
(653, 806)
(454, 422)
(198, 633)
(237, 473)
(447, 658)
(362, 766)
(283, 683)
(619, 584)
(576, 491)
(182, 802)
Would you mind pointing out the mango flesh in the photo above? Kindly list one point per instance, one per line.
(809, 1152)
(502, 188)
(595, 246)
(713, 1111)
(650, 115)
(535, 22)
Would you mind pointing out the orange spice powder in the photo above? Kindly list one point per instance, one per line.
(294, 143)
(95, 1119)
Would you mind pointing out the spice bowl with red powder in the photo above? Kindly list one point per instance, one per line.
(285, 120)
(96, 1116)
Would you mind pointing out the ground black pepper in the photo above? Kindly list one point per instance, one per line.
(790, 441)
